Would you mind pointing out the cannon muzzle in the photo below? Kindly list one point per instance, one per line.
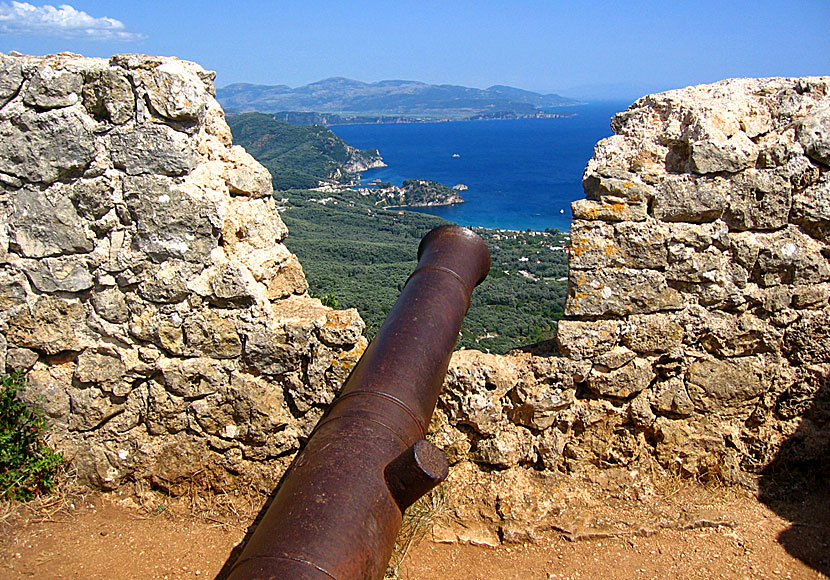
(339, 507)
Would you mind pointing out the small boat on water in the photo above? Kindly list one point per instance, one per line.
(456, 155)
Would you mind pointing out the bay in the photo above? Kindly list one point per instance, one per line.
(521, 174)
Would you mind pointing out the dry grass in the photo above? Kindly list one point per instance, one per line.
(57, 505)
(196, 500)
(417, 523)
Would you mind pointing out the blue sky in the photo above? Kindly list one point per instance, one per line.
(587, 49)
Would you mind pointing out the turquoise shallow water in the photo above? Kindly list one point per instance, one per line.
(520, 174)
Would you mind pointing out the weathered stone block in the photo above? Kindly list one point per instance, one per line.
(232, 285)
(721, 385)
(744, 248)
(52, 88)
(670, 397)
(549, 448)
(505, 449)
(48, 387)
(170, 223)
(266, 350)
(342, 328)
(207, 334)
(20, 359)
(167, 283)
(790, 257)
(476, 390)
(621, 382)
(610, 209)
(634, 245)
(111, 305)
(92, 198)
(177, 463)
(192, 378)
(92, 408)
(175, 90)
(811, 296)
(734, 154)
(811, 209)
(288, 279)
(99, 366)
(58, 274)
(12, 289)
(619, 291)
(759, 200)
(729, 335)
(814, 134)
(646, 333)
(538, 405)
(253, 225)
(684, 198)
(710, 266)
(53, 325)
(165, 412)
(624, 185)
(108, 94)
(11, 77)
(245, 176)
(45, 223)
(584, 339)
(614, 358)
(807, 340)
(151, 150)
(44, 147)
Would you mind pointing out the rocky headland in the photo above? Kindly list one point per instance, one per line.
(169, 334)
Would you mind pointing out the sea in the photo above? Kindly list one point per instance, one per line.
(520, 174)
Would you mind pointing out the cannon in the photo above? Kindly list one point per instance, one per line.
(340, 505)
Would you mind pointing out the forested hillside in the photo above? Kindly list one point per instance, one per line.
(355, 255)
(299, 156)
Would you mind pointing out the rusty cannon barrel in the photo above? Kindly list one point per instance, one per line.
(339, 507)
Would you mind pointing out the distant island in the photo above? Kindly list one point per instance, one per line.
(341, 101)
(412, 193)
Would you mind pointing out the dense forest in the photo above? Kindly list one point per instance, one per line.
(299, 156)
(356, 255)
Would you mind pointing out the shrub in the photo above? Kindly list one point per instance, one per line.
(27, 465)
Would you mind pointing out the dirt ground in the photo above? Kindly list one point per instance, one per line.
(101, 537)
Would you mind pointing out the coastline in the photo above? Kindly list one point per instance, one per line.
(416, 121)
(521, 174)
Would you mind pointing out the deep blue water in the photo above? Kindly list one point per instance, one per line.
(521, 174)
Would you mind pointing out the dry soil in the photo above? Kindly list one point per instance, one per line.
(109, 536)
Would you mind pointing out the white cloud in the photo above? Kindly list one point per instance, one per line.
(24, 19)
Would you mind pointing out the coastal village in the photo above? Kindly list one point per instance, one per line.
(532, 261)
(412, 193)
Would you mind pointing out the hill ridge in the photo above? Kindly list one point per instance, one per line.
(342, 95)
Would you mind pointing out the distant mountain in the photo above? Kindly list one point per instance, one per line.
(394, 98)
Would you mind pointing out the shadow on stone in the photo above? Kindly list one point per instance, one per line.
(795, 484)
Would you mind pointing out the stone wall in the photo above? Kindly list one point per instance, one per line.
(169, 334)
(144, 287)
(696, 339)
